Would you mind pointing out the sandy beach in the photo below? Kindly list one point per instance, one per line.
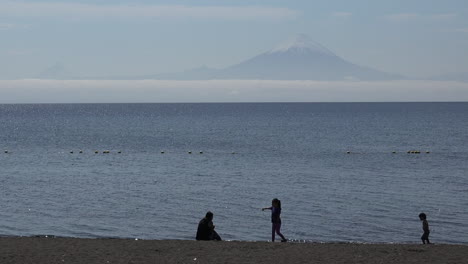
(73, 250)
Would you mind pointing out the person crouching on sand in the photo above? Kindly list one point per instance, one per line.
(275, 219)
(425, 225)
(206, 230)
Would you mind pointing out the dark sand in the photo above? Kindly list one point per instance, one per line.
(73, 250)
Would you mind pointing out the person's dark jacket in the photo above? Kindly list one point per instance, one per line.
(205, 229)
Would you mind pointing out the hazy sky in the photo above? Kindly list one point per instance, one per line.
(111, 38)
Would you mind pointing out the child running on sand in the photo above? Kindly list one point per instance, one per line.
(275, 219)
(425, 225)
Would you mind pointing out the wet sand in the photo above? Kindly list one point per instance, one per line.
(73, 250)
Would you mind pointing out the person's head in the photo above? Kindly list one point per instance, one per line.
(422, 216)
(276, 203)
(209, 215)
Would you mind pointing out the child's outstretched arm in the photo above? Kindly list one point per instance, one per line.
(267, 208)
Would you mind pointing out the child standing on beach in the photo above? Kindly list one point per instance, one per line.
(275, 219)
(425, 225)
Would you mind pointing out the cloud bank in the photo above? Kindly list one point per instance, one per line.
(5, 26)
(160, 91)
(342, 14)
(77, 10)
(402, 17)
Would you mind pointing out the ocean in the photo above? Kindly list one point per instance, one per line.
(341, 170)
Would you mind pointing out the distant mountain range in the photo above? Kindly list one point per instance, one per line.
(299, 59)
(459, 77)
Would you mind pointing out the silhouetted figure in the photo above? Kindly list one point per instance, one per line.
(425, 226)
(206, 228)
(275, 219)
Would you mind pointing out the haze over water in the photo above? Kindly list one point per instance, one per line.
(251, 153)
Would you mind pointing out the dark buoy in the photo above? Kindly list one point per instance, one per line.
(190, 152)
(162, 152)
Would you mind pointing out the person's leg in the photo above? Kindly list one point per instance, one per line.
(427, 238)
(215, 236)
(273, 230)
(278, 231)
(424, 238)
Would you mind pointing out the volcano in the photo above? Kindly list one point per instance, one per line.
(301, 59)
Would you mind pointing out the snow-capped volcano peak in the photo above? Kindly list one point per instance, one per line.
(302, 43)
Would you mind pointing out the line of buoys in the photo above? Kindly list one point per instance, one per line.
(80, 151)
(188, 152)
(416, 152)
(409, 151)
(95, 152)
(120, 152)
(233, 152)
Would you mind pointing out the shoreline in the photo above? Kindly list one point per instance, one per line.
(294, 241)
(115, 250)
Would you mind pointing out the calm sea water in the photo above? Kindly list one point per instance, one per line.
(251, 154)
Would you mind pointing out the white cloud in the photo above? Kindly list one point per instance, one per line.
(76, 10)
(112, 91)
(9, 26)
(18, 52)
(401, 17)
(443, 16)
(5, 26)
(342, 14)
